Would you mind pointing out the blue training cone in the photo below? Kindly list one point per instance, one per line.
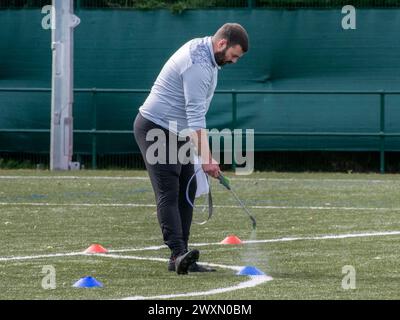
(250, 271)
(88, 282)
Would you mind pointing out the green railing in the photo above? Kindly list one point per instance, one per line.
(177, 5)
(94, 132)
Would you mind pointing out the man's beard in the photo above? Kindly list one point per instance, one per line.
(220, 58)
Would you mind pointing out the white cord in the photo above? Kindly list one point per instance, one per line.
(209, 198)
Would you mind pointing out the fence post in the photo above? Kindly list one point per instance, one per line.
(234, 122)
(94, 129)
(251, 4)
(382, 132)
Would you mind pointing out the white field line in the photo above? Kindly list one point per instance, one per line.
(253, 282)
(117, 256)
(41, 256)
(287, 239)
(71, 178)
(230, 178)
(151, 248)
(47, 204)
(143, 205)
(111, 255)
(155, 248)
(328, 237)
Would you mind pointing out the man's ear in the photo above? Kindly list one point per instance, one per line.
(221, 44)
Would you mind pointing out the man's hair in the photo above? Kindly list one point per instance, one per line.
(235, 34)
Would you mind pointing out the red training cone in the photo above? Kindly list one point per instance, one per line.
(96, 248)
(231, 240)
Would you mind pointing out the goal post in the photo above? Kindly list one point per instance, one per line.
(62, 97)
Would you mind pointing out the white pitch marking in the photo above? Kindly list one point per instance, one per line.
(48, 204)
(117, 256)
(41, 256)
(114, 256)
(328, 237)
(287, 239)
(155, 248)
(253, 282)
(71, 178)
(230, 178)
(310, 208)
(144, 205)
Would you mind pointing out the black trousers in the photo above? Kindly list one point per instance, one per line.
(169, 182)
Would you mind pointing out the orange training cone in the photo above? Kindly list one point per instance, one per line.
(96, 248)
(231, 240)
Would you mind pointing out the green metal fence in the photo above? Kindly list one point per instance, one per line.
(187, 4)
(94, 132)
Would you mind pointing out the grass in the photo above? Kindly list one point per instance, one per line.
(83, 212)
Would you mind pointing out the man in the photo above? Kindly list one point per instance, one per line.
(179, 100)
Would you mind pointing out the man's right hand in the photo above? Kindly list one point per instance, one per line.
(212, 168)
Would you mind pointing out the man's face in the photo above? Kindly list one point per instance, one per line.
(227, 55)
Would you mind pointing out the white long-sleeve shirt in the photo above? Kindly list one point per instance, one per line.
(184, 88)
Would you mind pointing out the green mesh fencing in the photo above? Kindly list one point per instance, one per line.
(304, 53)
(190, 4)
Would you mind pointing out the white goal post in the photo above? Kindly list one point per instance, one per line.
(62, 45)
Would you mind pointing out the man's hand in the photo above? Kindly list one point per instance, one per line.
(209, 164)
(212, 168)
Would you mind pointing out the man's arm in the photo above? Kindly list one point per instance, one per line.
(210, 166)
(196, 83)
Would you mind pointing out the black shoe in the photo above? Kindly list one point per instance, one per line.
(183, 261)
(171, 264)
(195, 267)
